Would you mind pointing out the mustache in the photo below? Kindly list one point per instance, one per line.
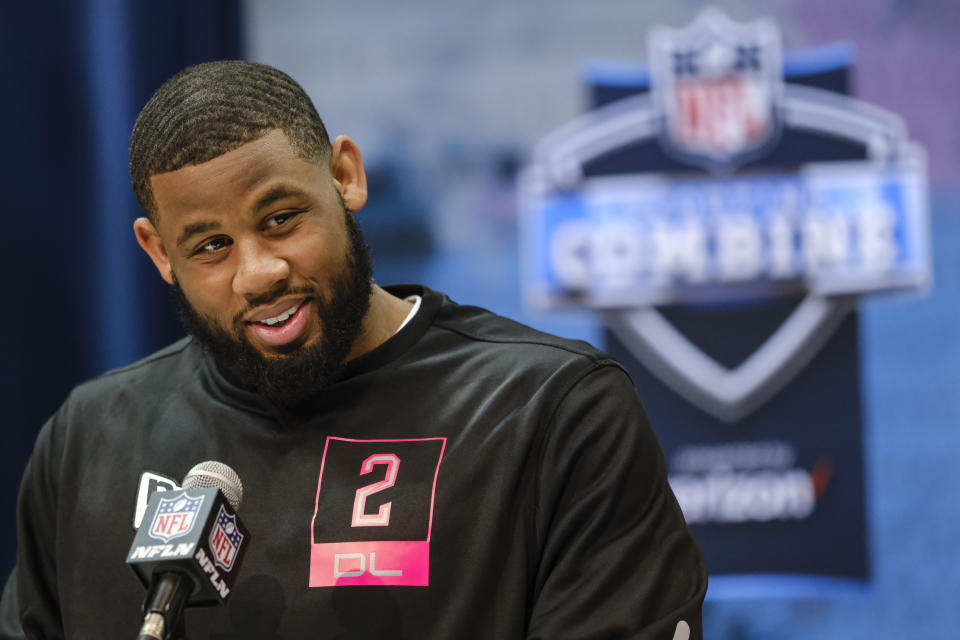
(270, 297)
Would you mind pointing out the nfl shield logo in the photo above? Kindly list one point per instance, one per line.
(717, 85)
(225, 539)
(175, 517)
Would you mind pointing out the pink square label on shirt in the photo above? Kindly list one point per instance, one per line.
(374, 512)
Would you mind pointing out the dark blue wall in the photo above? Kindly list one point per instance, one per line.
(80, 297)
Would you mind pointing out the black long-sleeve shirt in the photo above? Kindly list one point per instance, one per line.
(469, 478)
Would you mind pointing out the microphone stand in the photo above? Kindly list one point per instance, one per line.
(163, 607)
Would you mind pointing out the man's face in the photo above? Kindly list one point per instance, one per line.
(269, 267)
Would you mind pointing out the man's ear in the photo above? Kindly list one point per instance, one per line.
(346, 168)
(151, 243)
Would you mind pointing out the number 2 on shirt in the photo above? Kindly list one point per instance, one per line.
(382, 517)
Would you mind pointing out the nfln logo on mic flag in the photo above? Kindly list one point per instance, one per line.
(175, 517)
(225, 539)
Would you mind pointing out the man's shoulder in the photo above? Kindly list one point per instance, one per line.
(484, 329)
(165, 367)
(113, 401)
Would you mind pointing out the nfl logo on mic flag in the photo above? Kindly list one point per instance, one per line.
(175, 517)
(225, 539)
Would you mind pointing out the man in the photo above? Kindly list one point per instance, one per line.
(412, 467)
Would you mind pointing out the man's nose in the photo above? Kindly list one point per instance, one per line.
(259, 269)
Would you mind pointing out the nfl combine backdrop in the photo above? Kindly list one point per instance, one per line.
(724, 207)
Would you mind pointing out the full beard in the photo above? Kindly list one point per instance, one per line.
(300, 371)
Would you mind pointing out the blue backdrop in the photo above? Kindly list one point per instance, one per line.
(81, 297)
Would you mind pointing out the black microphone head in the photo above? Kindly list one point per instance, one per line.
(216, 474)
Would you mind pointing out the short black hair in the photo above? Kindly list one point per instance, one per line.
(209, 109)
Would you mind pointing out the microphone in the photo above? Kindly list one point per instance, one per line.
(189, 547)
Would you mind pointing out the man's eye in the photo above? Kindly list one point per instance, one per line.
(280, 219)
(214, 245)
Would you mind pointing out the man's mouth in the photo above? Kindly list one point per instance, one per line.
(282, 318)
(284, 327)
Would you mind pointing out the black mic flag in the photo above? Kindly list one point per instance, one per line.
(189, 547)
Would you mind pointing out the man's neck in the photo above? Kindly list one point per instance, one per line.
(383, 318)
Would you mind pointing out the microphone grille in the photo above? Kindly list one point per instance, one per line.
(216, 474)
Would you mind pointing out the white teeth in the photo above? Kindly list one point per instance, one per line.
(282, 317)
